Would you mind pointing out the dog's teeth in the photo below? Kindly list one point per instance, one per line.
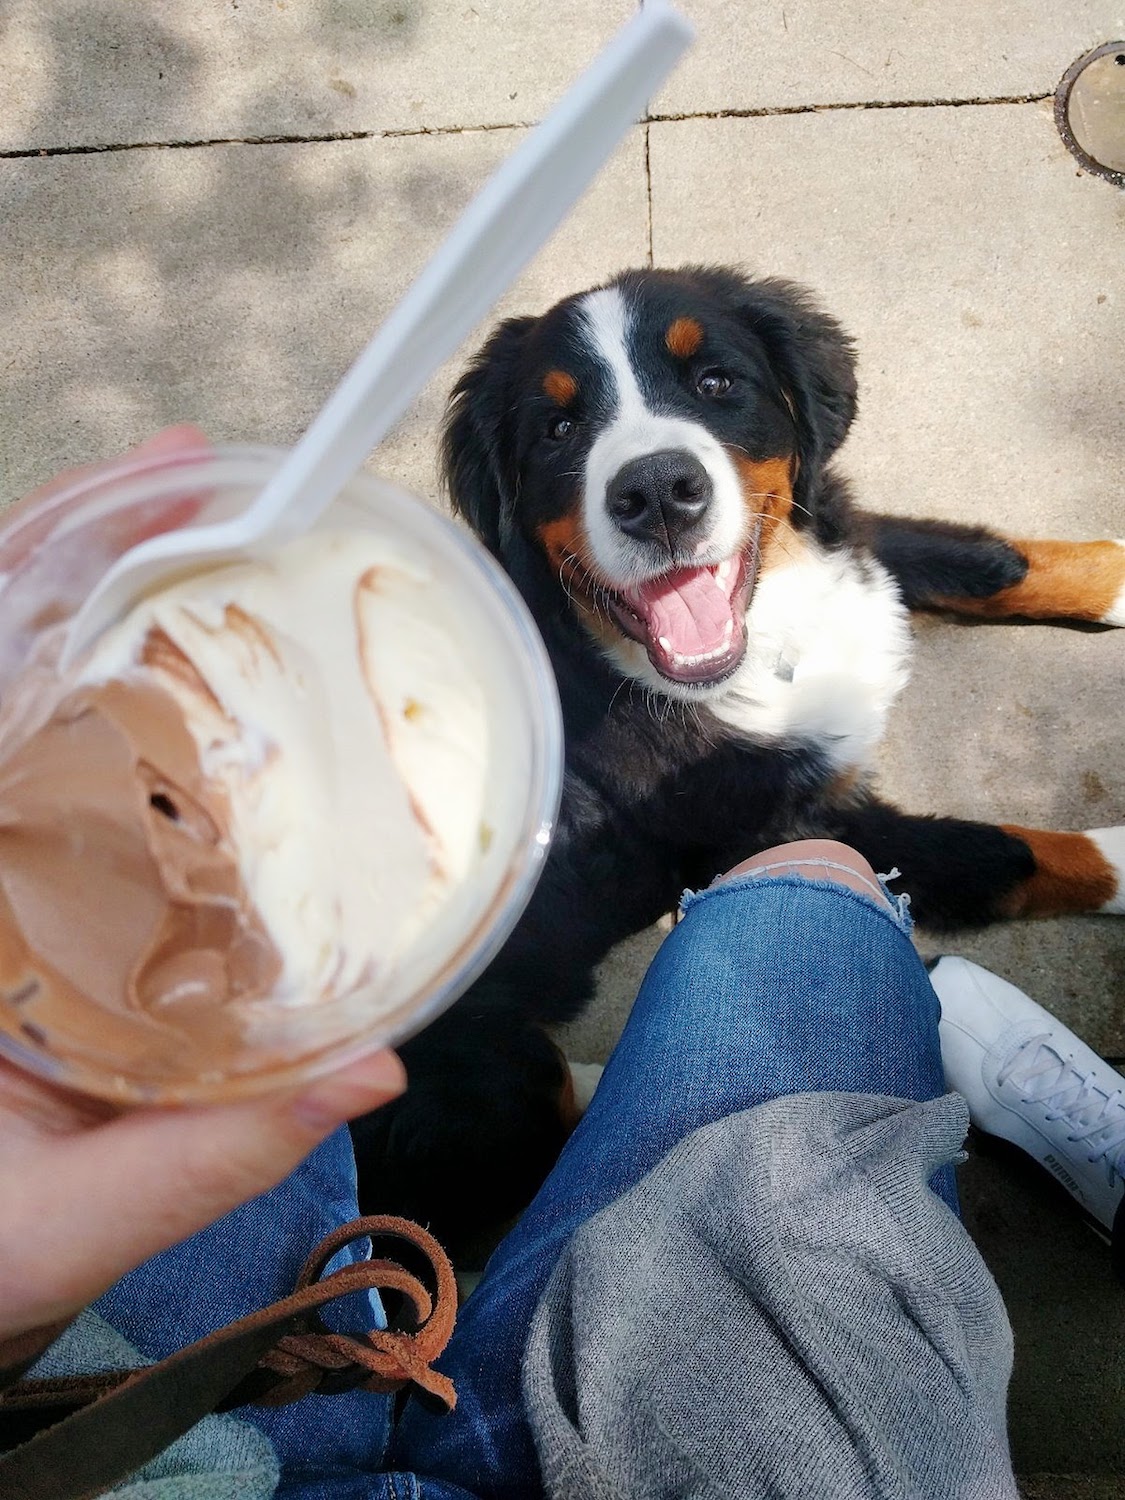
(666, 645)
(695, 661)
(728, 629)
(724, 572)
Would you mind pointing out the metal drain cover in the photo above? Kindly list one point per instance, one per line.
(1090, 111)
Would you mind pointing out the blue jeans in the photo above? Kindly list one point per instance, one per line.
(767, 986)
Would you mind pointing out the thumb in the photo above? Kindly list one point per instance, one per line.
(152, 1177)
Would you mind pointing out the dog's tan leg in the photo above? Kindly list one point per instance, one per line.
(1063, 581)
(974, 571)
(964, 874)
(1074, 872)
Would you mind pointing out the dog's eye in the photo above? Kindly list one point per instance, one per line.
(713, 383)
(559, 428)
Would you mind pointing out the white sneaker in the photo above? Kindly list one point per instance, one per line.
(1028, 1079)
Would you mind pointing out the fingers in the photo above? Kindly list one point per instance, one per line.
(185, 437)
(109, 1198)
(182, 438)
(38, 514)
(31, 1108)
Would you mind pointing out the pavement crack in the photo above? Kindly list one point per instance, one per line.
(410, 130)
(328, 137)
(648, 196)
(766, 111)
(100, 148)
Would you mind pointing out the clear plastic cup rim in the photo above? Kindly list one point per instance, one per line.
(244, 466)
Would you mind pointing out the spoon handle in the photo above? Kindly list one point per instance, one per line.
(493, 240)
(502, 228)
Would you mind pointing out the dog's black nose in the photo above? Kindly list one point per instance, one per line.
(659, 497)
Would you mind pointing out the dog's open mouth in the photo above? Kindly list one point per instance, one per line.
(691, 621)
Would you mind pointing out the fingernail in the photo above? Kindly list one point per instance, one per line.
(361, 1087)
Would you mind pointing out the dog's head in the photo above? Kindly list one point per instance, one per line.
(654, 445)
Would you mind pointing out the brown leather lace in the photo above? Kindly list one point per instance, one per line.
(109, 1425)
(392, 1358)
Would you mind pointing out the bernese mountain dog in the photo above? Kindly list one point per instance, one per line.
(650, 462)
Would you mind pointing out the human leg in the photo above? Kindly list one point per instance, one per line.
(320, 1447)
(773, 983)
(247, 1260)
(780, 1310)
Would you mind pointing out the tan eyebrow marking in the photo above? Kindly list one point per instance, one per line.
(684, 337)
(560, 386)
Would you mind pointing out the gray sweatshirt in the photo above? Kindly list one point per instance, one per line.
(781, 1308)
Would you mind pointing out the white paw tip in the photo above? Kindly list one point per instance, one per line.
(1111, 844)
(1115, 615)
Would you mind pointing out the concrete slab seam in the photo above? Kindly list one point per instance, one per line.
(24, 153)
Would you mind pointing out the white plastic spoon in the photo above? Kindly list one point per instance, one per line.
(497, 235)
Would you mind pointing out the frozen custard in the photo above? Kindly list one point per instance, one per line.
(257, 792)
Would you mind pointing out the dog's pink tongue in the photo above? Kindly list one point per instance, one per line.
(688, 610)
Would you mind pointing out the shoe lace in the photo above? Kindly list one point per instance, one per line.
(1095, 1115)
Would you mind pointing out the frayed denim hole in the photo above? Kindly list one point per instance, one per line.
(899, 913)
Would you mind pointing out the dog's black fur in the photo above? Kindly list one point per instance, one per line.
(657, 797)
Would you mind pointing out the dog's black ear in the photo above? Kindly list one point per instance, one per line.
(476, 449)
(813, 358)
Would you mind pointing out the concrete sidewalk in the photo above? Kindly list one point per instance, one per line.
(208, 206)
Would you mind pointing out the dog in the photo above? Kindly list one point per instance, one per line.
(651, 462)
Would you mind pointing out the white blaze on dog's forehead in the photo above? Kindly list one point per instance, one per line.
(607, 322)
(635, 430)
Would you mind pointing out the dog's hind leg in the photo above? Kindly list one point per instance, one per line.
(973, 571)
(964, 874)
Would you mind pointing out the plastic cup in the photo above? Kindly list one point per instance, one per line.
(50, 555)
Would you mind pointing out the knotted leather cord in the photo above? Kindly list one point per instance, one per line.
(120, 1419)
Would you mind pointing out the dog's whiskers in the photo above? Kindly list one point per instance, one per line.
(625, 682)
(766, 495)
(572, 567)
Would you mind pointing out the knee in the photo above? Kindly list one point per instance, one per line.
(813, 859)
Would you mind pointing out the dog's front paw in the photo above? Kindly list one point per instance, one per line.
(1115, 614)
(1111, 846)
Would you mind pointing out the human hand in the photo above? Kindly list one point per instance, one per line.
(88, 1192)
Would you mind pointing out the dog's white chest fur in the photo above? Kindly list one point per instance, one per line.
(828, 652)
